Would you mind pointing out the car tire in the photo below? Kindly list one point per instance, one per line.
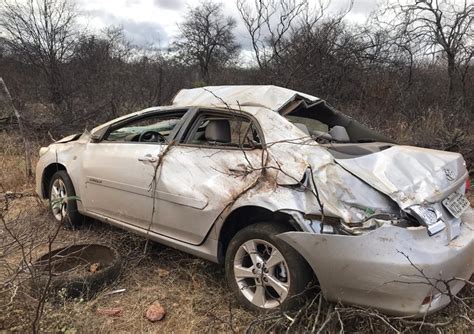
(281, 279)
(66, 271)
(63, 200)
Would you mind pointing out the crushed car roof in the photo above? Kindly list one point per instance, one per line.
(247, 97)
(236, 97)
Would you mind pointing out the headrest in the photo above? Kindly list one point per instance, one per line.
(302, 127)
(339, 134)
(218, 131)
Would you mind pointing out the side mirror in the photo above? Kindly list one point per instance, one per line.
(99, 135)
(95, 138)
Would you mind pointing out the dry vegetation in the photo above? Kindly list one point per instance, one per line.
(192, 290)
(408, 74)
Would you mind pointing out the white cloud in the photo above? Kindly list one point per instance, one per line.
(169, 4)
(155, 21)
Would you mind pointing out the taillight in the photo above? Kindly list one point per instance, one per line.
(427, 300)
(468, 185)
(430, 298)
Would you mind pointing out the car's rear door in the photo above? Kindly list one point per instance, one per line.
(200, 177)
(118, 171)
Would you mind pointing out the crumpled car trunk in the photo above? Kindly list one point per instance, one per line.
(410, 175)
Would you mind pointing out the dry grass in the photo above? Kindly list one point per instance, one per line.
(438, 130)
(192, 290)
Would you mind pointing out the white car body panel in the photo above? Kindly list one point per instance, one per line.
(115, 184)
(241, 97)
(374, 271)
(424, 176)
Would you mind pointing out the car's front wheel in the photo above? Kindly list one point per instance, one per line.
(63, 200)
(263, 271)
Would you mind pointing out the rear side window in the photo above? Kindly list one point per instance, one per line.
(224, 131)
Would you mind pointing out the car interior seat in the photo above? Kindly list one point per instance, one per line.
(218, 131)
(302, 127)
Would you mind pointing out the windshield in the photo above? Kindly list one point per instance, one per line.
(129, 133)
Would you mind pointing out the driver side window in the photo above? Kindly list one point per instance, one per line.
(149, 129)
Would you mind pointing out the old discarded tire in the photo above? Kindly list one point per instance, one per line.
(63, 200)
(76, 271)
(263, 271)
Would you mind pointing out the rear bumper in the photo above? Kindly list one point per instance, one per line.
(374, 269)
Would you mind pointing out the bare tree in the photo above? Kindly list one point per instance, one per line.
(271, 25)
(436, 26)
(289, 36)
(6, 99)
(206, 37)
(42, 32)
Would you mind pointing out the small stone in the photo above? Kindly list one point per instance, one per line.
(111, 312)
(155, 312)
(163, 272)
(94, 267)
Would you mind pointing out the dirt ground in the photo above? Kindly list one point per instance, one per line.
(193, 291)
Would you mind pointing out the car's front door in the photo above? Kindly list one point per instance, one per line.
(204, 174)
(118, 171)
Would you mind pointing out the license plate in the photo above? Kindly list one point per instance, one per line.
(456, 204)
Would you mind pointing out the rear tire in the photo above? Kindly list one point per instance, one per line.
(263, 271)
(63, 200)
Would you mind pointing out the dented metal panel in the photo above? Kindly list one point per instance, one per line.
(374, 269)
(198, 175)
(410, 175)
(237, 97)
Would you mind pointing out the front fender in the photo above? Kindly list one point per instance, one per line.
(64, 154)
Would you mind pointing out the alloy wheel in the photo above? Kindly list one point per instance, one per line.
(261, 273)
(58, 199)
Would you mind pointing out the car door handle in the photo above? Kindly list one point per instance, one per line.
(148, 158)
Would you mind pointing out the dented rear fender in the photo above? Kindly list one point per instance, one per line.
(376, 268)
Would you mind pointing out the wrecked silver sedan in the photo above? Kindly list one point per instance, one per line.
(280, 188)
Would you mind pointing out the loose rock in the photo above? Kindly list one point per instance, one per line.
(94, 267)
(111, 312)
(163, 272)
(155, 312)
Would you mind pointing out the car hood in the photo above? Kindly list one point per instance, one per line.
(410, 175)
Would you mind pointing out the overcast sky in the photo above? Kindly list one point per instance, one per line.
(155, 21)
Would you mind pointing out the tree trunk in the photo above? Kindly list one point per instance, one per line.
(55, 90)
(451, 76)
(7, 97)
(204, 71)
(205, 75)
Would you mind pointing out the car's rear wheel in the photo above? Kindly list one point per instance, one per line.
(263, 271)
(63, 200)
